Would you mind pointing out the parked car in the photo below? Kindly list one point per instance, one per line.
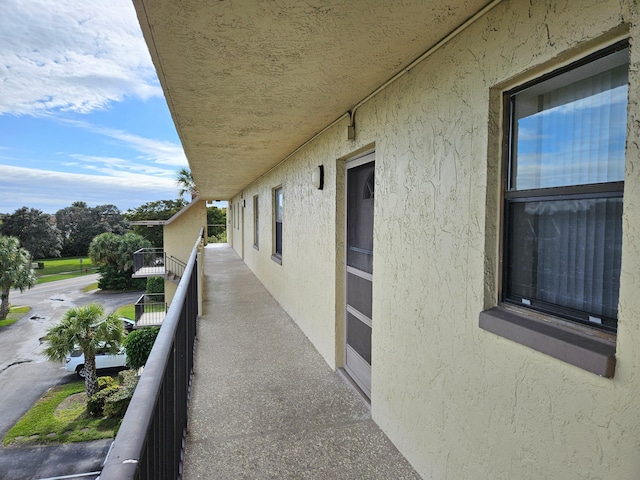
(127, 323)
(75, 361)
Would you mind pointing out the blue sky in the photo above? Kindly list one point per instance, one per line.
(577, 142)
(82, 114)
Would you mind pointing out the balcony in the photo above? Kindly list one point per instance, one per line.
(150, 310)
(148, 262)
(154, 262)
(264, 404)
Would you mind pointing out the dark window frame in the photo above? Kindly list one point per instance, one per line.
(277, 225)
(256, 223)
(511, 197)
(588, 348)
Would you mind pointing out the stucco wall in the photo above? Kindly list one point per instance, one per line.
(179, 237)
(305, 282)
(459, 402)
(234, 225)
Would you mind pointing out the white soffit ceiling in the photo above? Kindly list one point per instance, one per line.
(249, 81)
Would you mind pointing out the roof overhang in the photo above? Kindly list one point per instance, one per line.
(248, 82)
(148, 223)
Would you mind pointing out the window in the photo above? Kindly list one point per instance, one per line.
(256, 237)
(563, 188)
(563, 191)
(278, 206)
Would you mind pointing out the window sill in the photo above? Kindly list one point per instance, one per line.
(276, 258)
(593, 351)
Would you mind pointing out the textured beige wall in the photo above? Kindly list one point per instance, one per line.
(234, 223)
(179, 237)
(459, 402)
(305, 283)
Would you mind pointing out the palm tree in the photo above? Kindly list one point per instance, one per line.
(15, 271)
(88, 329)
(184, 179)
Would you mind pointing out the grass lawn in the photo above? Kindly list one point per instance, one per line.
(60, 417)
(15, 314)
(127, 311)
(63, 268)
(91, 287)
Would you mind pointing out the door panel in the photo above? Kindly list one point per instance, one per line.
(360, 217)
(359, 337)
(359, 293)
(359, 270)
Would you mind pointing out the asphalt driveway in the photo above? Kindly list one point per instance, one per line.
(39, 462)
(25, 375)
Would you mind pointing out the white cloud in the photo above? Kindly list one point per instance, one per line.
(162, 152)
(119, 167)
(71, 55)
(50, 191)
(614, 98)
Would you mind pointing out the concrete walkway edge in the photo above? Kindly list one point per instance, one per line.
(265, 405)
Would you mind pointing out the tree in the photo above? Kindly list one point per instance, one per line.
(35, 230)
(73, 222)
(109, 218)
(103, 249)
(79, 224)
(216, 216)
(158, 210)
(88, 329)
(114, 254)
(184, 179)
(15, 271)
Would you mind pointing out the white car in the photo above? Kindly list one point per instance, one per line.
(75, 361)
(127, 324)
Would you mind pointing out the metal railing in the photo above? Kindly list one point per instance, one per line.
(150, 309)
(215, 231)
(148, 258)
(150, 442)
(173, 266)
(154, 261)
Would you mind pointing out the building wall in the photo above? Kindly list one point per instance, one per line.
(179, 237)
(459, 402)
(235, 231)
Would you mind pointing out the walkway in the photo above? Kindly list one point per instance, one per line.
(265, 405)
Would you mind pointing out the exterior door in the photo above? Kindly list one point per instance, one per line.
(359, 270)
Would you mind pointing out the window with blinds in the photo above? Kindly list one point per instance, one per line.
(563, 189)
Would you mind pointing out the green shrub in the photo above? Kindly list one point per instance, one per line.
(138, 346)
(104, 382)
(155, 285)
(95, 404)
(219, 238)
(116, 404)
(111, 278)
(128, 379)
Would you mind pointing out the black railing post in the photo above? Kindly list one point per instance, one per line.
(138, 260)
(150, 442)
(147, 258)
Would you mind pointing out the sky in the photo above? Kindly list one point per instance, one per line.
(82, 114)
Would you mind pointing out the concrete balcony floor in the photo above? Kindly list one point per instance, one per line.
(153, 319)
(264, 403)
(145, 272)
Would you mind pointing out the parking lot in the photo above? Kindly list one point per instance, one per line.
(25, 375)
